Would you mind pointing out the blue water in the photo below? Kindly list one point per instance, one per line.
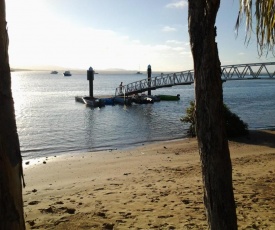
(50, 122)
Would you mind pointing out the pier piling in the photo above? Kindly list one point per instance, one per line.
(149, 72)
(90, 78)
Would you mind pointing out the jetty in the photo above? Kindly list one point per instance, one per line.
(131, 92)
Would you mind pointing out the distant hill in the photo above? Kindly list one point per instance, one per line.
(60, 69)
(79, 71)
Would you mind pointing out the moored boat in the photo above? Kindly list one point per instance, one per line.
(54, 72)
(143, 99)
(108, 101)
(93, 102)
(67, 73)
(123, 100)
(169, 97)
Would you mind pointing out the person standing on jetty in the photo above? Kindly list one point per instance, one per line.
(120, 87)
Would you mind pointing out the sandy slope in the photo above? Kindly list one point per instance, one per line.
(155, 186)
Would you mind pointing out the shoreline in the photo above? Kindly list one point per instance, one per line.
(152, 186)
(123, 147)
(100, 149)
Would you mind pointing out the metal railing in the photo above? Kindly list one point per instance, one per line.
(228, 72)
(247, 71)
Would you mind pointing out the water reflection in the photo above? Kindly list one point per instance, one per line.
(49, 120)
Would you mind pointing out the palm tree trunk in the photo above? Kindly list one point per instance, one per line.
(11, 202)
(210, 125)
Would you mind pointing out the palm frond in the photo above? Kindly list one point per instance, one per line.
(265, 23)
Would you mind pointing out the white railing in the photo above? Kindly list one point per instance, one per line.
(228, 72)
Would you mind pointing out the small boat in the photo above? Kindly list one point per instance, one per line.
(143, 99)
(169, 97)
(155, 98)
(138, 72)
(54, 72)
(123, 100)
(93, 102)
(67, 73)
(108, 101)
(146, 100)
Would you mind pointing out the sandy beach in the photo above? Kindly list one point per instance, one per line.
(153, 186)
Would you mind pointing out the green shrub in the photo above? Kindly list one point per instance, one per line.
(190, 118)
(234, 125)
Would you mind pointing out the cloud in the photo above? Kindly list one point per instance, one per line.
(177, 5)
(45, 43)
(179, 49)
(168, 29)
(174, 42)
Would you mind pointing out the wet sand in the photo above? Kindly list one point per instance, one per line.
(155, 186)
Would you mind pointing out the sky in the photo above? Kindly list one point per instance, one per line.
(116, 34)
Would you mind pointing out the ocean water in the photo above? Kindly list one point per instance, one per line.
(50, 122)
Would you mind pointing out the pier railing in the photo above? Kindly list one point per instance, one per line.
(248, 71)
(228, 72)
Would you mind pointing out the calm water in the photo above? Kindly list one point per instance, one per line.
(50, 122)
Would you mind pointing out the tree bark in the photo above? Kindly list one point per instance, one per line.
(11, 173)
(210, 123)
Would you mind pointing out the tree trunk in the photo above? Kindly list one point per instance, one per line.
(11, 174)
(210, 123)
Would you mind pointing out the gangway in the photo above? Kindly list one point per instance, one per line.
(228, 72)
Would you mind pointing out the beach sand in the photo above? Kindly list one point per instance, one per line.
(154, 186)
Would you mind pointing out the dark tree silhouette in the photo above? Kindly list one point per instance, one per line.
(210, 121)
(11, 174)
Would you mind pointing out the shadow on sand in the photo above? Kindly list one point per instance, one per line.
(258, 137)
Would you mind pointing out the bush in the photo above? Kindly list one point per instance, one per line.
(190, 118)
(234, 125)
